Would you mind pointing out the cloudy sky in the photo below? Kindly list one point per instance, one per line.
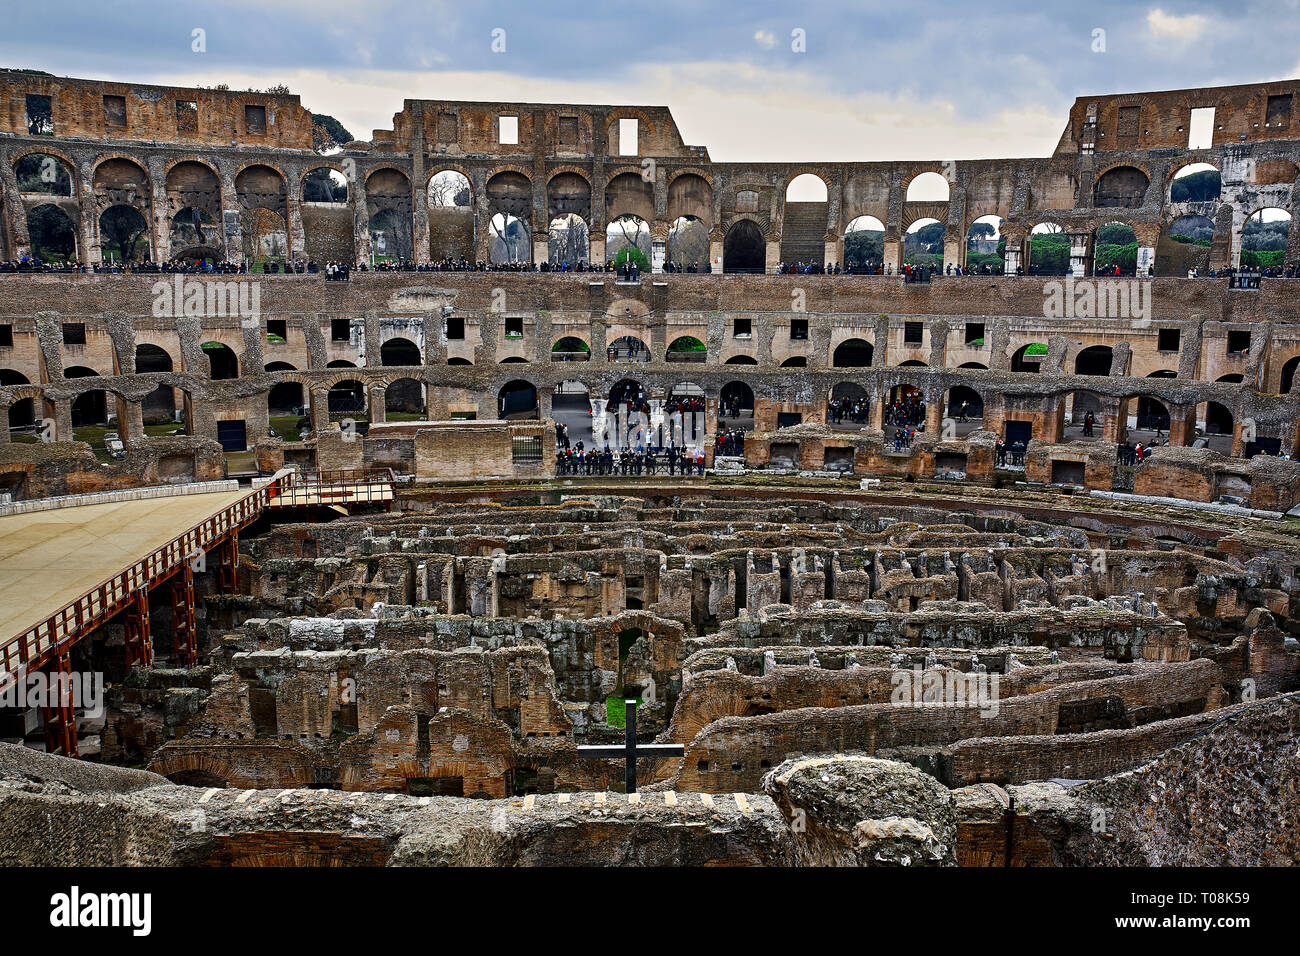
(872, 81)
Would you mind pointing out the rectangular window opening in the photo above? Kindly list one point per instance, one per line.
(187, 116)
(508, 130)
(115, 111)
(40, 115)
(255, 119)
(1200, 129)
(629, 131)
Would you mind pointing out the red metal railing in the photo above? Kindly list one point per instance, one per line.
(51, 637)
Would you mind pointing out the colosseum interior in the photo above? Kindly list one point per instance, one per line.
(913, 596)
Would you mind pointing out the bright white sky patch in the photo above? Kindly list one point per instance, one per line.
(1169, 26)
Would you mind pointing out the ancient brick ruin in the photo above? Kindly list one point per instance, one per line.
(1004, 645)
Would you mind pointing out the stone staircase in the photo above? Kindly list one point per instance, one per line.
(803, 232)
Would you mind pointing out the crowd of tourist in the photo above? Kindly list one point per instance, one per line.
(857, 411)
(909, 411)
(577, 460)
(1238, 278)
(730, 443)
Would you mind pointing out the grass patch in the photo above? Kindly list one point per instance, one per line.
(616, 710)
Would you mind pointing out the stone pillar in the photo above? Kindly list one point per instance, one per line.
(1012, 256)
(1238, 444)
(773, 255)
(361, 234)
(161, 214)
(598, 424)
(710, 425)
(934, 413)
(297, 234)
(1054, 422)
(232, 228)
(1182, 426)
(419, 187)
(375, 404)
(88, 248)
(893, 255)
(4, 414)
(658, 246)
(715, 252)
(1110, 423)
(596, 239)
(954, 252)
(835, 251)
(482, 218)
(1080, 254)
(132, 424)
(320, 409)
(12, 212)
(62, 419)
(658, 431)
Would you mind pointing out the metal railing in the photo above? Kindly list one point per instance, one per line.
(47, 639)
(340, 485)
